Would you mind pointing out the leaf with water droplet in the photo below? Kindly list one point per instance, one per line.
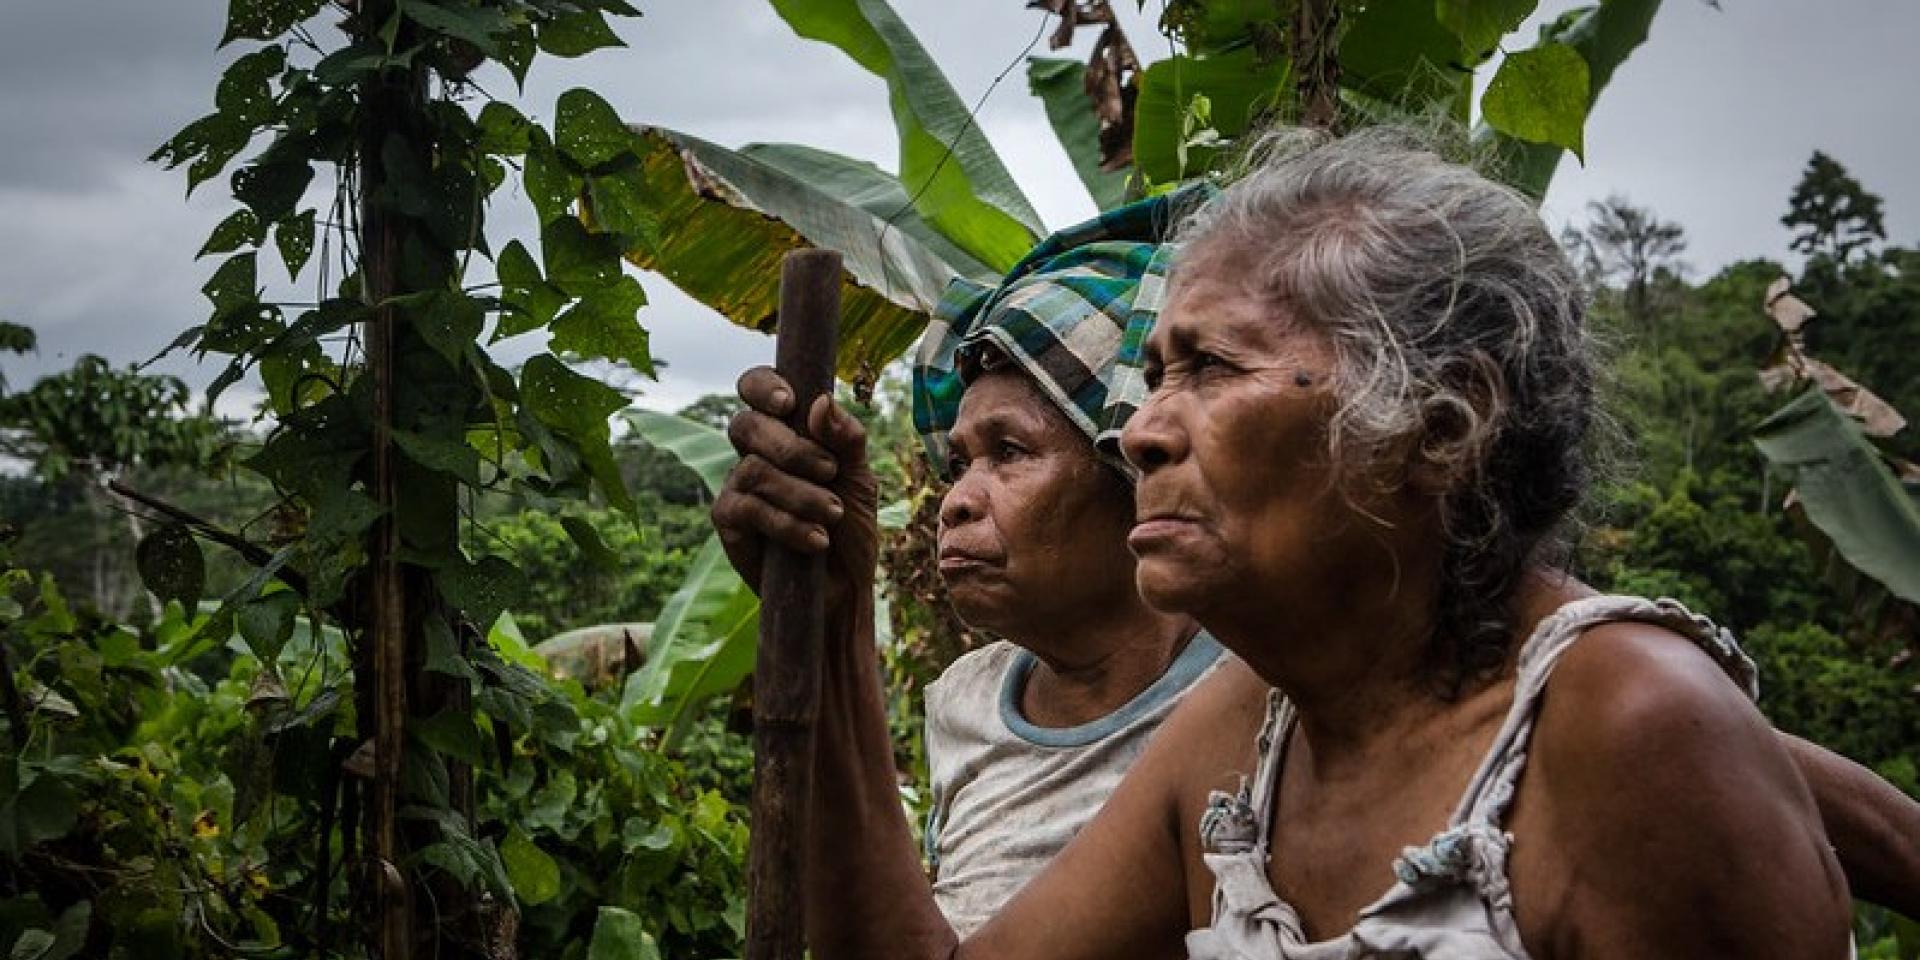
(171, 564)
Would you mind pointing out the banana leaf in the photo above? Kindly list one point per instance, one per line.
(1847, 490)
(727, 219)
(701, 448)
(870, 188)
(703, 642)
(1061, 86)
(957, 182)
(702, 646)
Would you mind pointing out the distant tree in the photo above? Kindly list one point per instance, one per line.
(85, 426)
(714, 410)
(15, 338)
(1632, 247)
(1831, 212)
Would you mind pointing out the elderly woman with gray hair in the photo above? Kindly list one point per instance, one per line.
(1371, 390)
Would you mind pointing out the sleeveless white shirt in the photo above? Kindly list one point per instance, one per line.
(1008, 795)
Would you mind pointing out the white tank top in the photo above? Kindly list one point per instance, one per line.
(1450, 899)
(1009, 795)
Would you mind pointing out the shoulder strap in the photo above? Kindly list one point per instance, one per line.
(1490, 793)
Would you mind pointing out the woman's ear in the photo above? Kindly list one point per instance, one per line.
(1459, 424)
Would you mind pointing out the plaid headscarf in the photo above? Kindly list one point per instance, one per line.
(1073, 314)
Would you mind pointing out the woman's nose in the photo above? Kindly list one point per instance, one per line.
(962, 502)
(1151, 439)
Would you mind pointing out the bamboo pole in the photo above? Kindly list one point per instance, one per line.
(388, 103)
(786, 685)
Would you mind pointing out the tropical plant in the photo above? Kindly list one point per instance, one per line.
(166, 794)
(390, 417)
(85, 427)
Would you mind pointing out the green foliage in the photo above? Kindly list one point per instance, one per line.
(960, 185)
(163, 794)
(1605, 35)
(94, 420)
(1841, 696)
(735, 214)
(1831, 213)
(1237, 89)
(1540, 95)
(643, 566)
(1868, 515)
(704, 639)
(1061, 86)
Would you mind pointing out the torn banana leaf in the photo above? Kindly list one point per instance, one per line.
(1847, 490)
(726, 220)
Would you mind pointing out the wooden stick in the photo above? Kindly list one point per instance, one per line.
(786, 685)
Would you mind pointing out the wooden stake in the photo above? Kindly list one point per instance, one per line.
(786, 685)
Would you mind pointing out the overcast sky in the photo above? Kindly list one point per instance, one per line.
(1709, 124)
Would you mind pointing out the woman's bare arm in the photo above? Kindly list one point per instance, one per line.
(866, 894)
(1661, 818)
(1874, 828)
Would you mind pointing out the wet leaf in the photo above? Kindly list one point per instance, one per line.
(1481, 23)
(271, 190)
(449, 321)
(575, 34)
(482, 590)
(602, 326)
(577, 260)
(240, 228)
(171, 564)
(243, 94)
(587, 130)
(265, 19)
(503, 130)
(235, 284)
(294, 236)
(266, 623)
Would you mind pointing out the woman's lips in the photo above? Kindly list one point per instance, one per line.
(958, 562)
(1159, 531)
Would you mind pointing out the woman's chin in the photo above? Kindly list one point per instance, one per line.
(1169, 586)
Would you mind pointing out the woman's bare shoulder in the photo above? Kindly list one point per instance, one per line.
(1654, 779)
(1207, 742)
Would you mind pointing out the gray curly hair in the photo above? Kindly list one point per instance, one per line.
(1457, 326)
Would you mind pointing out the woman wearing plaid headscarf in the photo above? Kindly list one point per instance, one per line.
(1012, 389)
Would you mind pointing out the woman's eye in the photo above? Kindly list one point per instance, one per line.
(1152, 376)
(1203, 363)
(1008, 450)
(956, 465)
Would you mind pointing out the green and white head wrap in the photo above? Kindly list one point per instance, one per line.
(1072, 314)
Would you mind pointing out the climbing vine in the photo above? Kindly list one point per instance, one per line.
(373, 151)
